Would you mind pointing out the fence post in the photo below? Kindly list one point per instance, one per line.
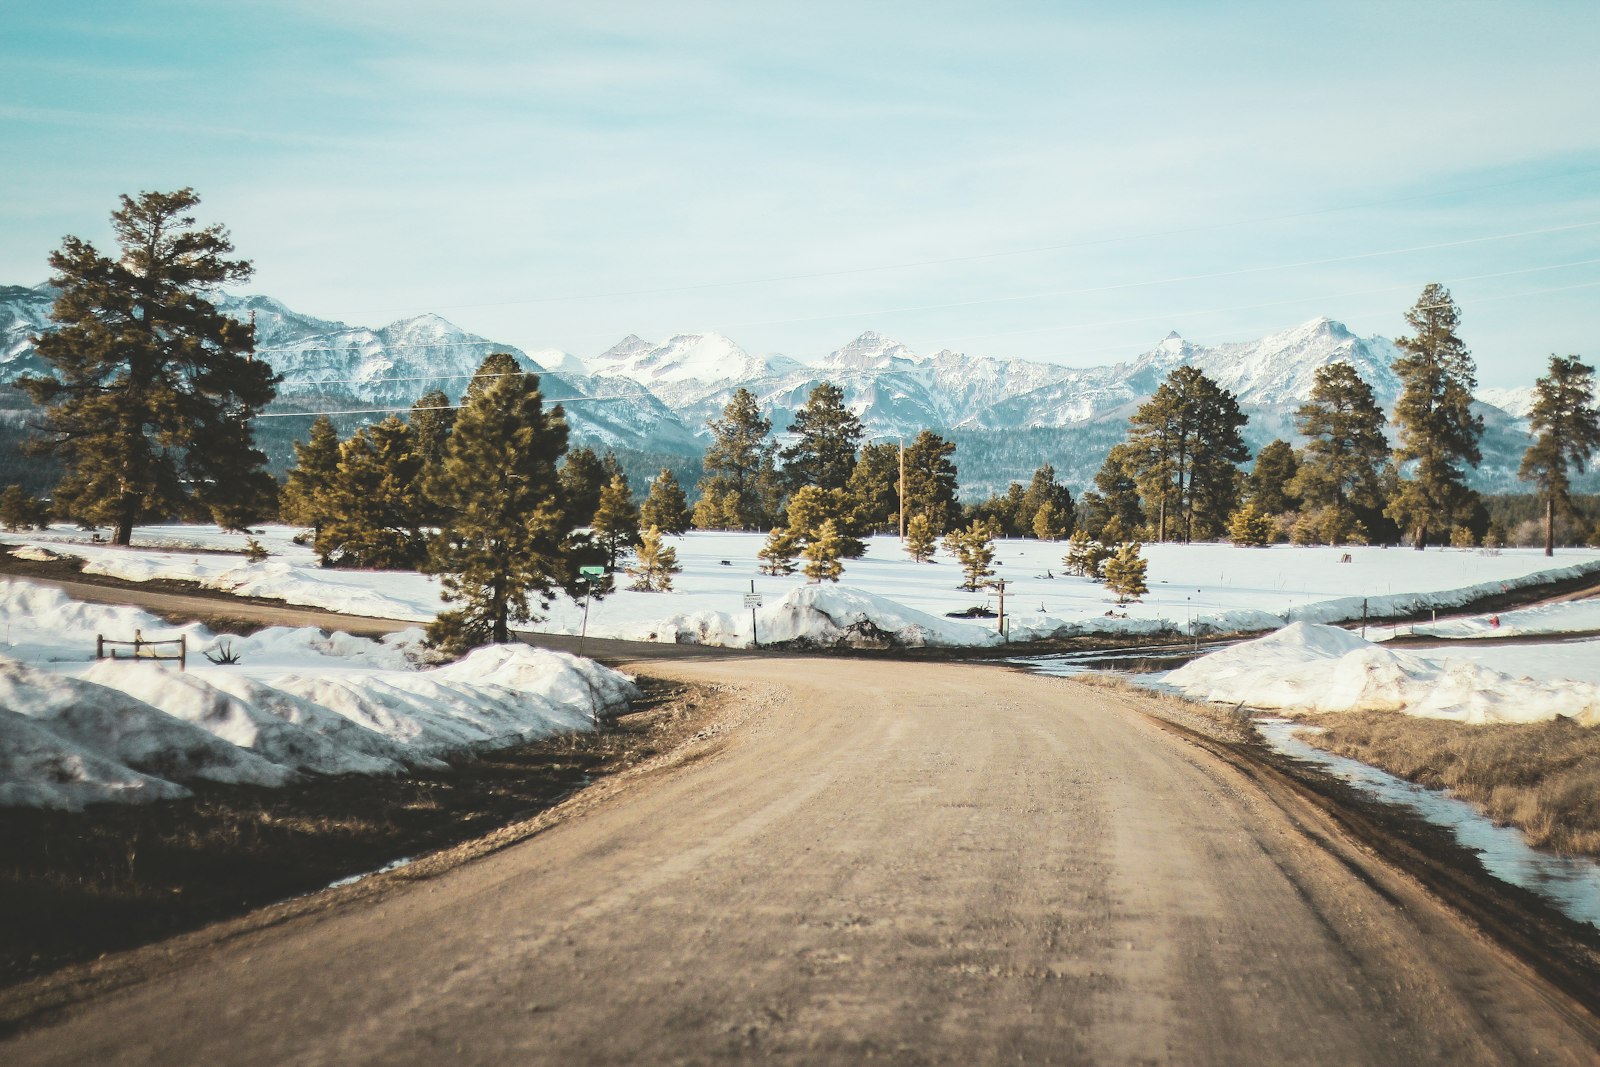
(99, 646)
(183, 652)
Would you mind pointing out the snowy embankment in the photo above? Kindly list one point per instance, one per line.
(1193, 588)
(1313, 667)
(76, 731)
(1569, 617)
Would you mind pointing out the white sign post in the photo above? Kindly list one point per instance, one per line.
(752, 600)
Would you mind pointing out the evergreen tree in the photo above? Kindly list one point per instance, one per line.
(303, 495)
(1271, 480)
(654, 563)
(495, 365)
(716, 511)
(778, 552)
(811, 507)
(920, 539)
(826, 435)
(1340, 476)
(20, 511)
(1566, 428)
(431, 419)
(740, 461)
(822, 554)
(1438, 431)
(1183, 452)
(1085, 556)
(1112, 510)
(153, 389)
(616, 520)
(507, 536)
(1050, 525)
(973, 548)
(874, 489)
(372, 507)
(583, 479)
(1126, 572)
(931, 481)
(1043, 489)
(1250, 526)
(665, 507)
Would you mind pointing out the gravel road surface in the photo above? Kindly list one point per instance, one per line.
(918, 863)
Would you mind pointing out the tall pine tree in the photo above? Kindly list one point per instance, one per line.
(504, 546)
(1341, 467)
(740, 464)
(373, 505)
(826, 435)
(1566, 428)
(1438, 431)
(302, 499)
(1183, 451)
(664, 506)
(616, 520)
(931, 481)
(153, 389)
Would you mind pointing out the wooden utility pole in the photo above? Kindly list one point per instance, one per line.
(902, 490)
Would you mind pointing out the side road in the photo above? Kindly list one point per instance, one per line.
(911, 862)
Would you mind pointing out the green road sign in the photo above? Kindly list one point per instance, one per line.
(591, 572)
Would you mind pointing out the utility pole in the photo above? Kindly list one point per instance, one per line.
(902, 489)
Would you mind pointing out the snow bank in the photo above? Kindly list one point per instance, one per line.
(75, 731)
(1323, 668)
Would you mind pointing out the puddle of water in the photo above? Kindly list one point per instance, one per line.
(393, 865)
(1571, 883)
(1134, 660)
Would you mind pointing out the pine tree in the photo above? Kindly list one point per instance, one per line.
(153, 388)
(1126, 572)
(1438, 431)
(664, 506)
(826, 435)
(1049, 524)
(302, 497)
(920, 539)
(20, 511)
(372, 506)
(811, 507)
(1085, 556)
(1250, 526)
(616, 520)
(874, 489)
(507, 536)
(1112, 509)
(931, 481)
(583, 479)
(1566, 428)
(740, 461)
(1183, 452)
(822, 554)
(654, 563)
(1340, 476)
(973, 548)
(778, 552)
(1271, 480)
(431, 419)
(1043, 489)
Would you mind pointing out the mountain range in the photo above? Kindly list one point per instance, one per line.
(1007, 416)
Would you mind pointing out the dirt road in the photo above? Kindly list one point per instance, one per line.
(913, 862)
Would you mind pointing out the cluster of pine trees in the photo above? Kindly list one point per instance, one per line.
(1177, 476)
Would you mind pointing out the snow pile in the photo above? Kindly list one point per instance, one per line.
(1323, 668)
(76, 731)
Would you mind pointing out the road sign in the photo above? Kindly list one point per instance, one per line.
(752, 600)
(592, 572)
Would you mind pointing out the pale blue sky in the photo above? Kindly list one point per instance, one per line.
(1063, 182)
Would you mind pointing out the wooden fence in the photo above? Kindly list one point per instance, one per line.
(107, 648)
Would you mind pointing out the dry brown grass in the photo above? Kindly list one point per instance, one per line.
(1543, 778)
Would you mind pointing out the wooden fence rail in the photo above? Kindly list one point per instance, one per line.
(107, 648)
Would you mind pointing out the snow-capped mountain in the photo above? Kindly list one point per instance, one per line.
(1007, 415)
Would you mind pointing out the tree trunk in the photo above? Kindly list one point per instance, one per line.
(1420, 541)
(1550, 526)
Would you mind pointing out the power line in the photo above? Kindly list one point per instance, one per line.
(1010, 253)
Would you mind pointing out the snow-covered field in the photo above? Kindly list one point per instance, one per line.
(1212, 587)
(1323, 668)
(75, 731)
